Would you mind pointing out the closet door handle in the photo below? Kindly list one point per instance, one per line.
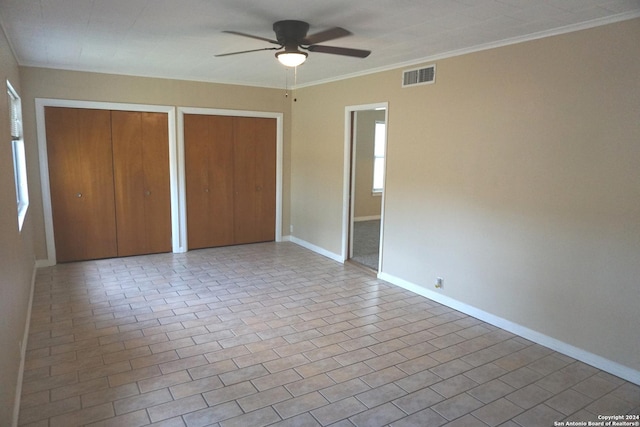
(147, 193)
(79, 195)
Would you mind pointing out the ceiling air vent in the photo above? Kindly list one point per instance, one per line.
(419, 76)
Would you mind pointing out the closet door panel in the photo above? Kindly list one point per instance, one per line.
(128, 182)
(196, 136)
(254, 179)
(220, 188)
(141, 181)
(266, 180)
(157, 195)
(196, 133)
(81, 183)
(209, 180)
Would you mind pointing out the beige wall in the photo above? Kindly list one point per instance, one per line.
(48, 83)
(515, 177)
(16, 248)
(366, 204)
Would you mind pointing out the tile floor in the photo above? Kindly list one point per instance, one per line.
(273, 334)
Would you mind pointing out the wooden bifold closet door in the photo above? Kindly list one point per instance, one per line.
(141, 182)
(254, 179)
(81, 182)
(109, 181)
(209, 180)
(230, 167)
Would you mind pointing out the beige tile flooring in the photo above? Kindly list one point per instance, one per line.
(273, 334)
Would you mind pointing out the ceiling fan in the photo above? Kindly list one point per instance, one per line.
(292, 36)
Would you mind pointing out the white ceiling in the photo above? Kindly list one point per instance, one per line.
(178, 38)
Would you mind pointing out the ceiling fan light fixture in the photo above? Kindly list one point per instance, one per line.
(291, 58)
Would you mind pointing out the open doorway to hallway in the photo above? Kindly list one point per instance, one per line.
(367, 134)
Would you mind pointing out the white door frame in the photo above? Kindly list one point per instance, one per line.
(349, 176)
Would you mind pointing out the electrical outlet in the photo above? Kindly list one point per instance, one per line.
(291, 228)
(439, 283)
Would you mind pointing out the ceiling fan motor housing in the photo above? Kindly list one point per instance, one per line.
(290, 32)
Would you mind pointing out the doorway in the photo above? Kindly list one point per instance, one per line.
(366, 135)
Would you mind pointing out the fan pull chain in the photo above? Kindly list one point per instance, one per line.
(286, 82)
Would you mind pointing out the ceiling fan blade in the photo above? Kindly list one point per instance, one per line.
(246, 51)
(357, 53)
(326, 35)
(252, 37)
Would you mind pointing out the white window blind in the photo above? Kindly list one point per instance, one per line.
(19, 157)
(380, 135)
(16, 116)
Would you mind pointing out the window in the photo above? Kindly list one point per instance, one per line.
(379, 138)
(19, 160)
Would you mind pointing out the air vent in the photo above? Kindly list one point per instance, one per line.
(419, 76)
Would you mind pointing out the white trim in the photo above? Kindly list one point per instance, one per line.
(366, 218)
(182, 189)
(485, 46)
(175, 157)
(41, 263)
(599, 362)
(351, 154)
(41, 103)
(349, 170)
(279, 117)
(23, 349)
(317, 249)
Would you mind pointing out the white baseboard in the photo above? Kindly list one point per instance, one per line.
(316, 249)
(599, 362)
(23, 350)
(40, 263)
(366, 218)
